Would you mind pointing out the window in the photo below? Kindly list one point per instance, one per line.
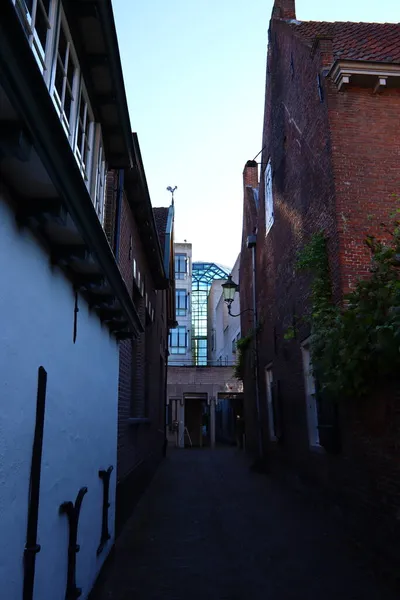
(181, 302)
(269, 200)
(180, 266)
(36, 17)
(269, 382)
(134, 268)
(99, 176)
(178, 340)
(66, 77)
(84, 135)
(311, 400)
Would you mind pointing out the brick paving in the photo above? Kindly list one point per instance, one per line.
(209, 528)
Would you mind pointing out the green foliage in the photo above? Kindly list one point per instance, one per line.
(242, 346)
(290, 333)
(357, 346)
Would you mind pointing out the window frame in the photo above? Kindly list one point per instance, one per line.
(178, 273)
(181, 311)
(269, 381)
(59, 103)
(42, 54)
(85, 168)
(268, 197)
(181, 345)
(98, 174)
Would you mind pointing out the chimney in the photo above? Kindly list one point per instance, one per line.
(250, 174)
(323, 45)
(284, 9)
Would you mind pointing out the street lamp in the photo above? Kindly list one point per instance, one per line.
(229, 289)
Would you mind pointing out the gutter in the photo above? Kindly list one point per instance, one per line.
(106, 16)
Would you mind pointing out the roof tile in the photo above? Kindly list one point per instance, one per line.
(379, 42)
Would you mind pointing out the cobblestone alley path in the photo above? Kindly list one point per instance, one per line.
(208, 528)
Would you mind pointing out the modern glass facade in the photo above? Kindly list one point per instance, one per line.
(203, 274)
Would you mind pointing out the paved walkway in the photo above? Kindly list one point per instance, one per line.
(209, 529)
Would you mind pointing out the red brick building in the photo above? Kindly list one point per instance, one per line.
(142, 240)
(330, 163)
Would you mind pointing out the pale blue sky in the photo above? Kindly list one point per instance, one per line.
(194, 75)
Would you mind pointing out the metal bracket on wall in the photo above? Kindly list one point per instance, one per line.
(105, 536)
(73, 511)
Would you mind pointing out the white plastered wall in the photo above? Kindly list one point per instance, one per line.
(80, 431)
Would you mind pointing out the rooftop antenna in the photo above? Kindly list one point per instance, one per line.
(172, 190)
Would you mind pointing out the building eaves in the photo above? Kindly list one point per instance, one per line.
(139, 201)
(94, 34)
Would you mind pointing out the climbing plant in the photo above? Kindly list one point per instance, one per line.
(357, 345)
(242, 346)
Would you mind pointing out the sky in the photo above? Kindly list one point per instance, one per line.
(194, 74)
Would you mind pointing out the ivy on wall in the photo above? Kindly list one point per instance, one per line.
(242, 346)
(356, 346)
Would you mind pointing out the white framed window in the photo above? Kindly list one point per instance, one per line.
(310, 394)
(37, 18)
(269, 200)
(178, 340)
(269, 383)
(84, 136)
(181, 302)
(99, 174)
(65, 85)
(180, 266)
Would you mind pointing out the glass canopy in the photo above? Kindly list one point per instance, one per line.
(203, 274)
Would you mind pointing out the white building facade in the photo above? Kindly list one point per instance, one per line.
(63, 300)
(180, 338)
(224, 330)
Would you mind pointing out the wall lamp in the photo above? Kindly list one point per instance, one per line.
(229, 289)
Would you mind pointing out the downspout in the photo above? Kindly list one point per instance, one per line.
(31, 545)
(118, 210)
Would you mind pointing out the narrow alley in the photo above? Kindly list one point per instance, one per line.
(209, 528)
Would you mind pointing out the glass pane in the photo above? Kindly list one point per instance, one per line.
(41, 22)
(70, 72)
(59, 78)
(67, 104)
(62, 46)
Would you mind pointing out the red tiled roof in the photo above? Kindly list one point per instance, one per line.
(356, 41)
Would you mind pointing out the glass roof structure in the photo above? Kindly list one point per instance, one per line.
(203, 274)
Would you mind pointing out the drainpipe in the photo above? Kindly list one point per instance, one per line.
(251, 243)
(31, 545)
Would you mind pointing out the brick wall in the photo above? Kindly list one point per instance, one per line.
(366, 152)
(142, 362)
(334, 162)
